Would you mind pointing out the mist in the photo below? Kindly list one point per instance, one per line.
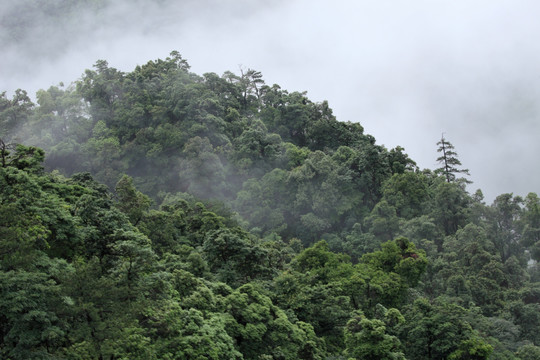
(407, 71)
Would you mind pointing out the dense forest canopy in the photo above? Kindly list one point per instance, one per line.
(161, 214)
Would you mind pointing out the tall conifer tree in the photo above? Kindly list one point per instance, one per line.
(449, 161)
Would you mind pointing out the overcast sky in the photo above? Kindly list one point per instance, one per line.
(406, 70)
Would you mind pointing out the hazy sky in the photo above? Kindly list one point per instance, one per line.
(406, 70)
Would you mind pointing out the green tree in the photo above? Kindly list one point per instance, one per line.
(528, 352)
(472, 349)
(408, 192)
(234, 256)
(368, 339)
(401, 257)
(262, 330)
(30, 303)
(449, 206)
(504, 225)
(190, 334)
(440, 330)
(15, 112)
(131, 202)
(530, 220)
(449, 161)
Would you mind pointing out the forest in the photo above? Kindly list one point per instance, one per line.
(162, 214)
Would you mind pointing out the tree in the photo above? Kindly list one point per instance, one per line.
(472, 349)
(440, 330)
(232, 255)
(131, 202)
(530, 220)
(448, 206)
(529, 352)
(27, 158)
(401, 257)
(14, 113)
(407, 192)
(29, 322)
(449, 161)
(368, 339)
(261, 330)
(504, 225)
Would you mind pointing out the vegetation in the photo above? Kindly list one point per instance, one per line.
(179, 216)
(449, 161)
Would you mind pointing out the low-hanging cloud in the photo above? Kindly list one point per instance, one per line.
(407, 71)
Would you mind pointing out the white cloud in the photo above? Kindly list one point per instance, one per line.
(407, 71)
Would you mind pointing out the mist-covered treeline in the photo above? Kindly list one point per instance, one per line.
(174, 131)
(240, 220)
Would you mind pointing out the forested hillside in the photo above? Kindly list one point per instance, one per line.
(161, 214)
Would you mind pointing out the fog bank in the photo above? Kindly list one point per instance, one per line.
(406, 71)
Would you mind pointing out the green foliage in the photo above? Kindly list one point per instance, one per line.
(15, 112)
(262, 329)
(234, 256)
(367, 339)
(473, 349)
(529, 352)
(30, 305)
(131, 202)
(449, 161)
(407, 192)
(439, 330)
(401, 257)
(179, 216)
